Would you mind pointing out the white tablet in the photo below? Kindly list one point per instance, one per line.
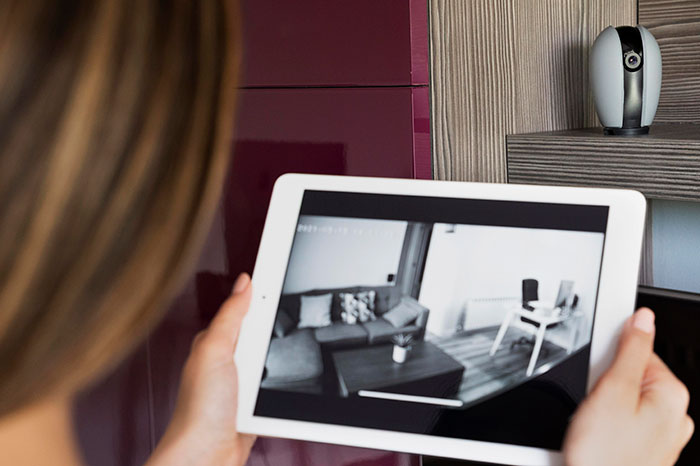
(452, 319)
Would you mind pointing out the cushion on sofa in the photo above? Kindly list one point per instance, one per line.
(422, 319)
(341, 333)
(381, 331)
(283, 324)
(315, 311)
(294, 358)
(387, 297)
(357, 307)
(404, 313)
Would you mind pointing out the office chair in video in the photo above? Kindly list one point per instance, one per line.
(530, 295)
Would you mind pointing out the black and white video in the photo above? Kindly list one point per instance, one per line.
(432, 312)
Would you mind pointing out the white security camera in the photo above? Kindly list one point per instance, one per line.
(626, 79)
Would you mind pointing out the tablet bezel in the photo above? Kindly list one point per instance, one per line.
(615, 302)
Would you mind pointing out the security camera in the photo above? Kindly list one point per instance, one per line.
(626, 79)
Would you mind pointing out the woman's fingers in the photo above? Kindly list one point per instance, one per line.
(245, 444)
(227, 322)
(637, 414)
(664, 402)
(634, 352)
(665, 398)
(661, 386)
(688, 429)
(657, 372)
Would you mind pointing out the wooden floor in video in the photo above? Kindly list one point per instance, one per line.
(488, 375)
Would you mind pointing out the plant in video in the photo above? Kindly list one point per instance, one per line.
(403, 340)
(402, 345)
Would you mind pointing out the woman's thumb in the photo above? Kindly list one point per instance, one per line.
(633, 353)
(230, 316)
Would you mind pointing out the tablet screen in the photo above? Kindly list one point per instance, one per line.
(459, 318)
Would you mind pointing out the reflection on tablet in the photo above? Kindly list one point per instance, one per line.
(411, 398)
(446, 303)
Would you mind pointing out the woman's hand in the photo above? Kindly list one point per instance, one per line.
(637, 412)
(203, 428)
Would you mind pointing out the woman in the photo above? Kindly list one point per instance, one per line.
(115, 123)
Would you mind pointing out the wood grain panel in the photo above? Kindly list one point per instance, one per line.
(676, 26)
(663, 165)
(508, 66)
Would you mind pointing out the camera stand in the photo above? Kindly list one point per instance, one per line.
(626, 131)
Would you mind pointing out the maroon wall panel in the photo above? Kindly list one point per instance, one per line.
(352, 131)
(422, 160)
(332, 87)
(373, 126)
(335, 43)
(356, 131)
(113, 418)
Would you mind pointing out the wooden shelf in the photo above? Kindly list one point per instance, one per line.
(665, 164)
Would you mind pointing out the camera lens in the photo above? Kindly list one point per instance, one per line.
(632, 60)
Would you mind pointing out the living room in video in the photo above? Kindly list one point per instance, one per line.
(450, 312)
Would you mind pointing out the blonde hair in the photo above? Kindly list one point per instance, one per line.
(115, 124)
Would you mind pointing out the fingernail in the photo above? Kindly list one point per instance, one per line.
(241, 284)
(644, 320)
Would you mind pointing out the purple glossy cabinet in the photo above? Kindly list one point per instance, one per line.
(354, 131)
(335, 87)
(373, 129)
(326, 43)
